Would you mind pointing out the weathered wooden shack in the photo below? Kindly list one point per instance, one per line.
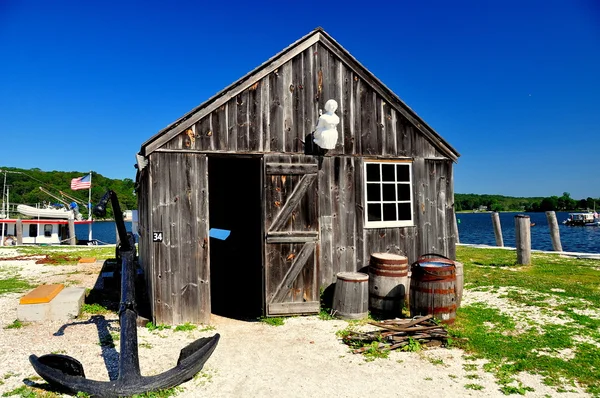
(238, 162)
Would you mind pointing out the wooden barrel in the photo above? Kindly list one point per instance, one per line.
(433, 288)
(388, 283)
(350, 298)
(460, 281)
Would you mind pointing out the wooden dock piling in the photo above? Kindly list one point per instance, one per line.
(497, 229)
(523, 239)
(554, 231)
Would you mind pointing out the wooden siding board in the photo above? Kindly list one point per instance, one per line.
(392, 131)
(243, 129)
(338, 216)
(254, 118)
(335, 83)
(325, 207)
(322, 76)
(348, 226)
(202, 242)
(220, 128)
(361, 259)
(346, 129)
(176, 272)
(450, 210)
(276, 111)
(232, 125)
(288, 135)
(381, 137)
(308, 96)
(297, 90)
(291, 168)
(294, 308)
(265, 106)
(357, 114)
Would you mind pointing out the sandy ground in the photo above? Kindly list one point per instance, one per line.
(302, 358)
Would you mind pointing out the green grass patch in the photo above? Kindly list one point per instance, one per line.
(273, 321)
(152, 327)
(475, 387)
(99, 252)
(13, 284)
(375, 351)
(186, 327)
(94, 309)
(513, 341)
(16, 324)
(30, 392)
(325, 314)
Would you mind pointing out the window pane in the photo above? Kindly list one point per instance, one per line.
(403, 192)
(48, 230)
(373, 172)
(387, 172)
(389, 212)
(403, 172)
(33, 230)
(374, 212)
(389, 193)
(404, 212)
(373, 192)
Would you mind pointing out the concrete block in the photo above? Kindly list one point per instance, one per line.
(66, 305)
(33, 312)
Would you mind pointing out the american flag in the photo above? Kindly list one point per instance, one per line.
(84, 182)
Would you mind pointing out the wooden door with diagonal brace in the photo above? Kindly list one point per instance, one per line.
(291, 215)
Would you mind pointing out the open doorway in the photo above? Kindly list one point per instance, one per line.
(236, 262)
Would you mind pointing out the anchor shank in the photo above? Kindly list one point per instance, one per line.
(129, 364)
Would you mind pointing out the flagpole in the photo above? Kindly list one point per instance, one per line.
(89, 209)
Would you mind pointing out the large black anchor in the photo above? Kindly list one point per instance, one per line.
(67, 373)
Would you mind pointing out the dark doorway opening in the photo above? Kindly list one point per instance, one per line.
(236, 263)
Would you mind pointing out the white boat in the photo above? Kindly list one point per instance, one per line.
(586, 219)
(48, 212)
(36, 231)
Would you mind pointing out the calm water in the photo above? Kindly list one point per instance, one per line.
(473, 228)
(477, 228)
(103, 231)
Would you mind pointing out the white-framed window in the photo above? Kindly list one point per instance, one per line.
(388, 194)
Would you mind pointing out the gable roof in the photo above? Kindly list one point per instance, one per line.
(317, 35)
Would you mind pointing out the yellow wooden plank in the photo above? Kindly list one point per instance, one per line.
(41, 294)
(87, 260)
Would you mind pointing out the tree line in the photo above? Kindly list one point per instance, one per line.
(23, 187)
(465, 202)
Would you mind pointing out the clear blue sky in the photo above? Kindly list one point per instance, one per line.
(514, 86)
